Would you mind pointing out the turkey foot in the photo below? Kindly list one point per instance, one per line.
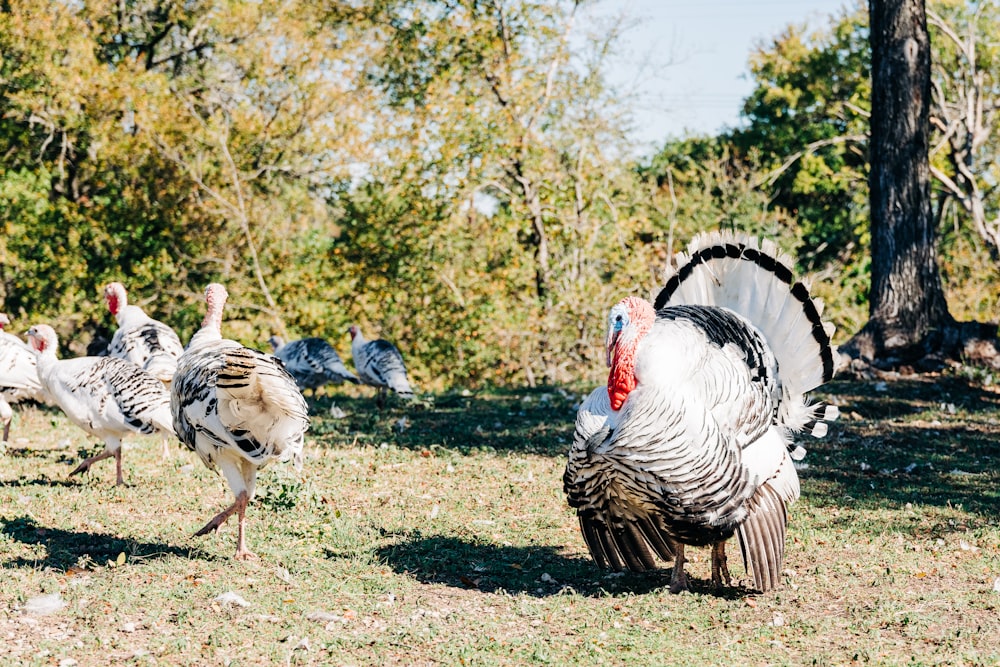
(85, 466)
(678, 580)
(720, 569)
(239, 506)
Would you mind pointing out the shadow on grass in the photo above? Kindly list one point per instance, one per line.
(931, 440)
(539, 571)
(916, 441)
(528, 420)
(65, 548)
(22, 482)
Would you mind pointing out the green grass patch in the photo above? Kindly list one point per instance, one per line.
(438, 533)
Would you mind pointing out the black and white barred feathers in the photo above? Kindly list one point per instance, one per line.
(692, 442)
(312, 362)
(237, 408)
(379, 364)
(149, 344)
(107, 397)
(18, 376)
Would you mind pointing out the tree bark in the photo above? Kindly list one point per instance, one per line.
(908, 314)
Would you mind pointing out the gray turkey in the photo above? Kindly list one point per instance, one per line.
(18, 376)
(237, 408)
(107, 397)
(691, 441)
(312, 362)
(149, 344)
(379, 364)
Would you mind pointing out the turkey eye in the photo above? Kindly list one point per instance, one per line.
(618, 318)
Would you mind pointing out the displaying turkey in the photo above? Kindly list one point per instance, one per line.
(149, 344)
(238, 408)
(107, 397)
(18, 376)
(379, 364)
(312, 362)
(691, 440)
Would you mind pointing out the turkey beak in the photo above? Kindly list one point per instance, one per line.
(610, 343)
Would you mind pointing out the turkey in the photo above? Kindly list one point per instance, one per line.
(18, 376)
(379, 364)
(312, 362)
(149, 344)
(237, 408)
(107, 397)
(691, 440)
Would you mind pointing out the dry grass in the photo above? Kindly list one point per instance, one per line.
(448, 541)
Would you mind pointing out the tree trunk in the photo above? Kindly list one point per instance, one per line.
(908, 314)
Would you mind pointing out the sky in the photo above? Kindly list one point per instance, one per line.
(690, 59)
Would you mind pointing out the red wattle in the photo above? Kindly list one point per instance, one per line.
(621, 381)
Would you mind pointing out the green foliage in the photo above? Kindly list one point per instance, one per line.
(451, 176)
(802, 156)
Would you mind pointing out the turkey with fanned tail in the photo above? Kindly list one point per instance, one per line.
(107, 397)
(237, 408)
(691, 440)
(18, 376)
(312, 362)
(380, 365)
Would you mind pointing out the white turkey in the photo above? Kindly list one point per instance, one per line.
(149, 344)
(379, 364)
(237, 408)
(312, 362)
(18, 376)
(107, 397)
(691, 440)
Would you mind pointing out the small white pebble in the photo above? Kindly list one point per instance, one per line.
(231, 598)
(321, 616)
(43, 605)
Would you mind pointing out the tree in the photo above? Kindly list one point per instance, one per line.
(909, 318)
(966, 109)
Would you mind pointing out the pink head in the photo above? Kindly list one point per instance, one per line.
(115, 297)
(353, 330)
(42, 338)
(215, 299)
(628, 322)
(4, 320)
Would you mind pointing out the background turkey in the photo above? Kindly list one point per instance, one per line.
(18, 375)
(147, 343)
(690, 441)
(238, 408)
(107, 397)
(380, 365)
(312, 362)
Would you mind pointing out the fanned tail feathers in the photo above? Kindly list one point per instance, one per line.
(753, 278)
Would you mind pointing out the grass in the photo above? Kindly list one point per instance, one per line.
(439, 534)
